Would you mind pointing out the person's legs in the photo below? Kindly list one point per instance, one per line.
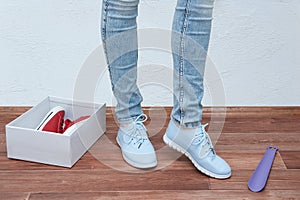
(190, 39)
(119, 36)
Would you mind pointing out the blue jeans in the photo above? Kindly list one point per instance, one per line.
(190, 39)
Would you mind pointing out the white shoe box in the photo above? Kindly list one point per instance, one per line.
(25, 143)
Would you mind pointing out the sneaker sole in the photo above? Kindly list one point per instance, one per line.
(176, 147)
(49, 116)
(134, 164)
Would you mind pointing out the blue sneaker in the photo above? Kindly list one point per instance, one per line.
(197, 146)
(135, 145)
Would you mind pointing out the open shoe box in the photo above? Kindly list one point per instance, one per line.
(26, 143)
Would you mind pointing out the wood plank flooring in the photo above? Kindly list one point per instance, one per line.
(102, 174)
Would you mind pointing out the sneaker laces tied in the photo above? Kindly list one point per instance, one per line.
(139, 132)
(204, 139)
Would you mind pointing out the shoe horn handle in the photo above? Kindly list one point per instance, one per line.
(260, 176)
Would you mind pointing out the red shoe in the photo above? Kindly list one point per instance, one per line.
(70, 126)
(53, 120)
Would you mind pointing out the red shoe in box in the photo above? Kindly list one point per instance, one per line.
(53, 120)
(71, 126)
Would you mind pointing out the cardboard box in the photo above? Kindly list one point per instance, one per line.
(25, 143)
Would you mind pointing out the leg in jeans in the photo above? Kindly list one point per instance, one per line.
(119, 36)
(190, 38)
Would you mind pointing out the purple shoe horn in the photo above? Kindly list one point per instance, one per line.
(260, 176)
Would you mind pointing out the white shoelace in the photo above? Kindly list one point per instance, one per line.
(139, 130)
(203, 139)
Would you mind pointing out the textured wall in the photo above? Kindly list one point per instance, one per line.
(255, 48)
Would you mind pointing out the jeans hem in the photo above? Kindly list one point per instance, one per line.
(186, 125)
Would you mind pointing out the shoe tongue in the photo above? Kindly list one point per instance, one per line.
(138, 128)
(205, 151)
(207, 148)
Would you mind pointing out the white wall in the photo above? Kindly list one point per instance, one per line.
(255, 47)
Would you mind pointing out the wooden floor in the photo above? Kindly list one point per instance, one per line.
(102, 174)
